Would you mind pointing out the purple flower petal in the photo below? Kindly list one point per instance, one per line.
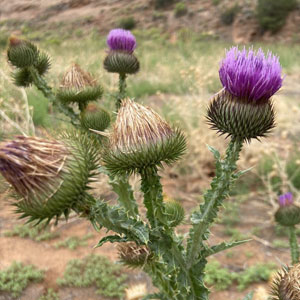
(250, 74)
(289, 198)
(281, 200)
(121, 39)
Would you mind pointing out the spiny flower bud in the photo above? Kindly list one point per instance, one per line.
(95, 117)
(288, 214)
(49, 177)
(243, 109)
(141, 139)
(21, 53)
(174, 212)
(120, 58)
(133, 255)
(78, 86)
(286, 284)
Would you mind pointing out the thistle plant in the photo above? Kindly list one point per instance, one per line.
(51, 178)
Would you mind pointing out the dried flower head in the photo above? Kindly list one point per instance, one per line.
(134, 255)
(286, 284)
(121, 40)
(48, 176)
(249, 74)
(77, 78)
(141, 139)
(78, 86)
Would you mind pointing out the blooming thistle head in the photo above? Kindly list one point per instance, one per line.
(140, 139)
(78, 86)
(44, 173)
(288, 214)
(286, 284)
(133, 255)
(120, 58)
(121, 40)
(243, 108)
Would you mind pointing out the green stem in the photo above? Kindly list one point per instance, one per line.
(123, 189)
(122, 90)
(41, 85)
(294, 245)
(213, 199)
(153, 197)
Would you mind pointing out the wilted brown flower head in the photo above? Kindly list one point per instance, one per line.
(77, 78)
(137, 126)
(133, 255)
(29, 163)
(286, 284)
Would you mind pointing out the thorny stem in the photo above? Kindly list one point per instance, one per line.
(294, 245)
(41, 85)
(217, 194)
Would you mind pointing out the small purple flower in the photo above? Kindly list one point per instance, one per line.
(250, 74)
(121, 39)
(286, 199)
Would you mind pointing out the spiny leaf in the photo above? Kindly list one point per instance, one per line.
(112, 239)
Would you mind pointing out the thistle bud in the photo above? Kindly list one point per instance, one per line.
(174, 212)
(78, 86)
(243, 108)
(286, 284)
(288, 214)
(141, 139)
(21, 53)
(95, 117)
(49, 177)
(133, 255)
(120, 58)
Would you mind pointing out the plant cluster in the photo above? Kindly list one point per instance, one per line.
(17, 277)
(95, 270)
(73, 242)
(51, 177)
(272, 15)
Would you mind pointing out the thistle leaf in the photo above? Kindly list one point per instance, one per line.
(111, 239)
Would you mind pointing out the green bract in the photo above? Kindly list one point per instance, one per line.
(240, 118)
(48, 197)
(95, 117)
(21, 53)
(121, 62)
(174, 213)
(288, 215)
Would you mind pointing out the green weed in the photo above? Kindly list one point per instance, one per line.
(228, 15)
(127, 23)
(280, 244)
(74, 242)
(95, 271)
(17, 277)
(180, 9)
(50, 295)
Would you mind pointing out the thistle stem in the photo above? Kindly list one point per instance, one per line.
(122, 90)
(153, 197)
(124, 190)
(41, 85)
(213, 199)
(294, 245)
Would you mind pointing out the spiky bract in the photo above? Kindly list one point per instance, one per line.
(95, 117)
(250, 74)
(121, 62)
(141, 139)
(50, 177)
(21, 53)
(286, 284)
(174, 212)
(22, 77)
(240, 118)
(288, 215)
(133, 255)
(78, 86)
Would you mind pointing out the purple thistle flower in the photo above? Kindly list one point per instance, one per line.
(286, 199)
(249, 74)
(121, 39)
